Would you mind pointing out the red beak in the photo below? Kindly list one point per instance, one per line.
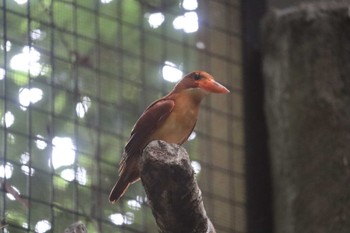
(212, 86)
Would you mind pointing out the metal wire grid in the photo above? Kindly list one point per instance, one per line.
(62, 201)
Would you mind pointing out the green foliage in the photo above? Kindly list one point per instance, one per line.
(104, 52)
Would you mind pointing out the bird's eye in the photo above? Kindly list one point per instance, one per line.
(197, 76)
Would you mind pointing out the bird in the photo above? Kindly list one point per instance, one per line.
(171, 118)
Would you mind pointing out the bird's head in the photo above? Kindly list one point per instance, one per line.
(200, 80)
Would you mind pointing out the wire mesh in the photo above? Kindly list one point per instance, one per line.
(75, 76)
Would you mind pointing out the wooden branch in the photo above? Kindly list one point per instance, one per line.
(77, 227)
(172, 189)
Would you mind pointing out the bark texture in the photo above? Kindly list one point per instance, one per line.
(307, 76)
(77, 227)
(172, 189)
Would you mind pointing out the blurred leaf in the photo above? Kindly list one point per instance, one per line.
(63, 15)
(108, 30)
(60, 100)
(85, 24)
(59, 183)
(20, 78)
(132, 11)
(15, 217)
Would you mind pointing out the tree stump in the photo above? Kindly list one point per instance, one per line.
(172, 190)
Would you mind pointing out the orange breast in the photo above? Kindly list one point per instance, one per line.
(180, 123)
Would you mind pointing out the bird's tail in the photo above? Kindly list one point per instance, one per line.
(119, 189)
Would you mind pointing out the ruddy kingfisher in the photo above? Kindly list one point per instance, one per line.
(171, 118)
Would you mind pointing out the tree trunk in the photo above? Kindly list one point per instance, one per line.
(172, 189)
(307, 76)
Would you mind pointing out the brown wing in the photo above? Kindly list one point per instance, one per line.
(149, 121)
